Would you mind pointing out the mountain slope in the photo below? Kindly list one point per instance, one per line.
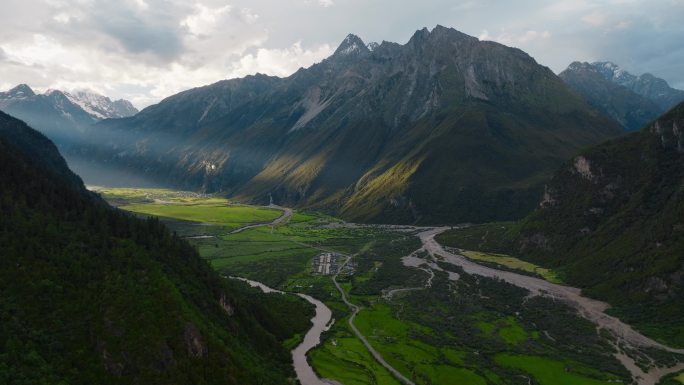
(631, 100)
(612, 222)
(614, 219)
(646, 85)
(62, 116)
(91, 295)
(629, 108)
(445, 128)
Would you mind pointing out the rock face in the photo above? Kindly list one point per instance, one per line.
(445, 128)
(194, 341)
(615, 224)
(632, 100)
(62, 116)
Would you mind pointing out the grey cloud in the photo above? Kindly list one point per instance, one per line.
(138, 36)
(153, 32)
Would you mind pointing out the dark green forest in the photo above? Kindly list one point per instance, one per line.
(91, 295)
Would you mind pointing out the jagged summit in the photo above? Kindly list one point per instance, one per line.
(351, 45)
(62, 116)
(372, 45)
(613, 72)
(22, 90)
(439, 34)
(101, 106)
(646, 85)
(599, 84)
(96, 105)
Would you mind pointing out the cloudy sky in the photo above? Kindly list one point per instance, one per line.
(145, 50)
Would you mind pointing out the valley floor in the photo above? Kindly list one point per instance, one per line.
(408, 310)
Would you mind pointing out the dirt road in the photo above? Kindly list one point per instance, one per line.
(287, 213)
(355, 310)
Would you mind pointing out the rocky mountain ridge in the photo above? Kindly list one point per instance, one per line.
(373, 135)
(61, 115)
(631, 100)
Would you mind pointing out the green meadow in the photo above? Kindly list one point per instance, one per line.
(513, 263)
(547, 371)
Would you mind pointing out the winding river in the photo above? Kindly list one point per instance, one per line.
(321, 322)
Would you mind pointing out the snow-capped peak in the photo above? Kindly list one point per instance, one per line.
(350, 45)
(19, 92)
(101, 106)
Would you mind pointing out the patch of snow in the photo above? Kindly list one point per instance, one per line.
(99, 106)
(353, 47)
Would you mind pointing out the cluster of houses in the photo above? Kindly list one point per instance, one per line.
(326, 264)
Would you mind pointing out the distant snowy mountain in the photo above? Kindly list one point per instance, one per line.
(60, 115)
(101, 106)
(631, 100)
(646, 85)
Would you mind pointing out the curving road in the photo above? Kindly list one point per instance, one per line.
(287, 213)
(355, 310)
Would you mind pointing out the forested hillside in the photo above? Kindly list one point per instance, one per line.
(612, 222)
(91, 295)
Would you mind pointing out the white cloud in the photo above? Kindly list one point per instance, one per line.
(204, 20)
(595, 19)
(517, 39)
(248, 16)
(280, 62)
(623, 24)
(322, 3)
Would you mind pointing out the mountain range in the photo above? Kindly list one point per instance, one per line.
(445, 128)
(61, 115)
(631, 100)
(91, 295)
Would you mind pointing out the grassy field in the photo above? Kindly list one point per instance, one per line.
(150, 195)
(680, 377)
(513, 263)
(342, 357)
(230, 216)
(551, 372)
(508, 329)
